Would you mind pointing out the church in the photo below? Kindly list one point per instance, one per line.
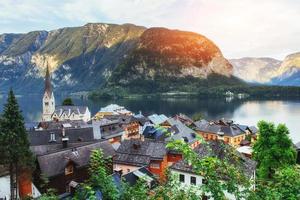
(60, 113)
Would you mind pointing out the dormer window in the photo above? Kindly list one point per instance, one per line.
(69, 169)
(52, 137)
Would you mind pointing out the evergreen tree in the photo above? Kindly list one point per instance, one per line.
(273, 149)
(68, 102)
(14, 148)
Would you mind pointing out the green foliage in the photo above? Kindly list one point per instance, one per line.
(68, 102)
(214, 170)
(99, 176)
(273, 149)
(14, 148)
(197, 116)
(84, 192)
(284, 185)
(49, 195)
(135, 192)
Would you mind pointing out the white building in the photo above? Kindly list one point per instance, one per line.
(112, 109)
(188, 178)
(61, 113)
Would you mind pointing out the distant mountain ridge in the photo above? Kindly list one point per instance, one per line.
(268, 70)
(87, 57)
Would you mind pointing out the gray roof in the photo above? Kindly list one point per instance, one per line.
(229, 129)
(222, 151)
(53, 164)
(181, 131)
(68, 110)
(139, 153)
(58, 124)
(42, 137)
(297, 145)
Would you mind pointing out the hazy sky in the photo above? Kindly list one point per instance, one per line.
(239, 27)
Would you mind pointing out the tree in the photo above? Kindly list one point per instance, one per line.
(197, 116)
(14, 148)
(273, 149)
(99, 176)
(214, 170)
(284, 185)
(135, 192)
(68, 102)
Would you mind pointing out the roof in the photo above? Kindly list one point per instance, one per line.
(132, 177)
(139, 153)
(54, 163)
(43, 137)
(245, 150)
(220, 150)
(68, 110)
(50, 125)
(180, 131)
(297, 145)
(48, 87)
(115, 109)
(227, 128)
(157, 119)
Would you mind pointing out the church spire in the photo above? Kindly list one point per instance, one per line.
(48, 87)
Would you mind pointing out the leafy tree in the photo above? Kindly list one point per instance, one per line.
(273, 149)
(197, 116)
(68, 102)
(284, 185)
(214, 170)
(135, 192)
(85, 192)
(49, 195)
(14, 148)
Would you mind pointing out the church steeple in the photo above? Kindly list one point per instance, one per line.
(48, 88)
(48, 99)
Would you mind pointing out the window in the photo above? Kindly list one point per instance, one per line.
(204, 181)
(181, 178)
(128, 170)
(193, 180)
(69, 170)
(154, 165)
(46, 103)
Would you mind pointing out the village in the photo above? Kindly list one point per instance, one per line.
(64, 139)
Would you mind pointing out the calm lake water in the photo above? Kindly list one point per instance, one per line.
(247, 112)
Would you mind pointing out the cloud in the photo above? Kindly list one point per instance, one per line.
(239, 27)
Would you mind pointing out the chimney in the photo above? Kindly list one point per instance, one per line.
(65, 142)
(136, 146)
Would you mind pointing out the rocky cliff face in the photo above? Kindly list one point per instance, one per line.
(269, 70)
(259, 70)
(170, 53)
(84, 58)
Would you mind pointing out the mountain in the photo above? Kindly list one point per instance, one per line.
(255, 70)
(88, 57)
(268, 70)
(289, 72)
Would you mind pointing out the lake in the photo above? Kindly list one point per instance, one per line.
(247, 112)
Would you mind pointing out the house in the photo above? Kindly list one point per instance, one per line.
(185, 119)
(112, 109)
(219, 149)
(134, 154)
(60, 113)
(66, 167)
(225, 130)
(25, 186)
(157, 119)
(116, 128)
(51, 125)
(56, 136)
(142, 173)
(172, 129)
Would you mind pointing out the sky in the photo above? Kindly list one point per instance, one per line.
(241, 28)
